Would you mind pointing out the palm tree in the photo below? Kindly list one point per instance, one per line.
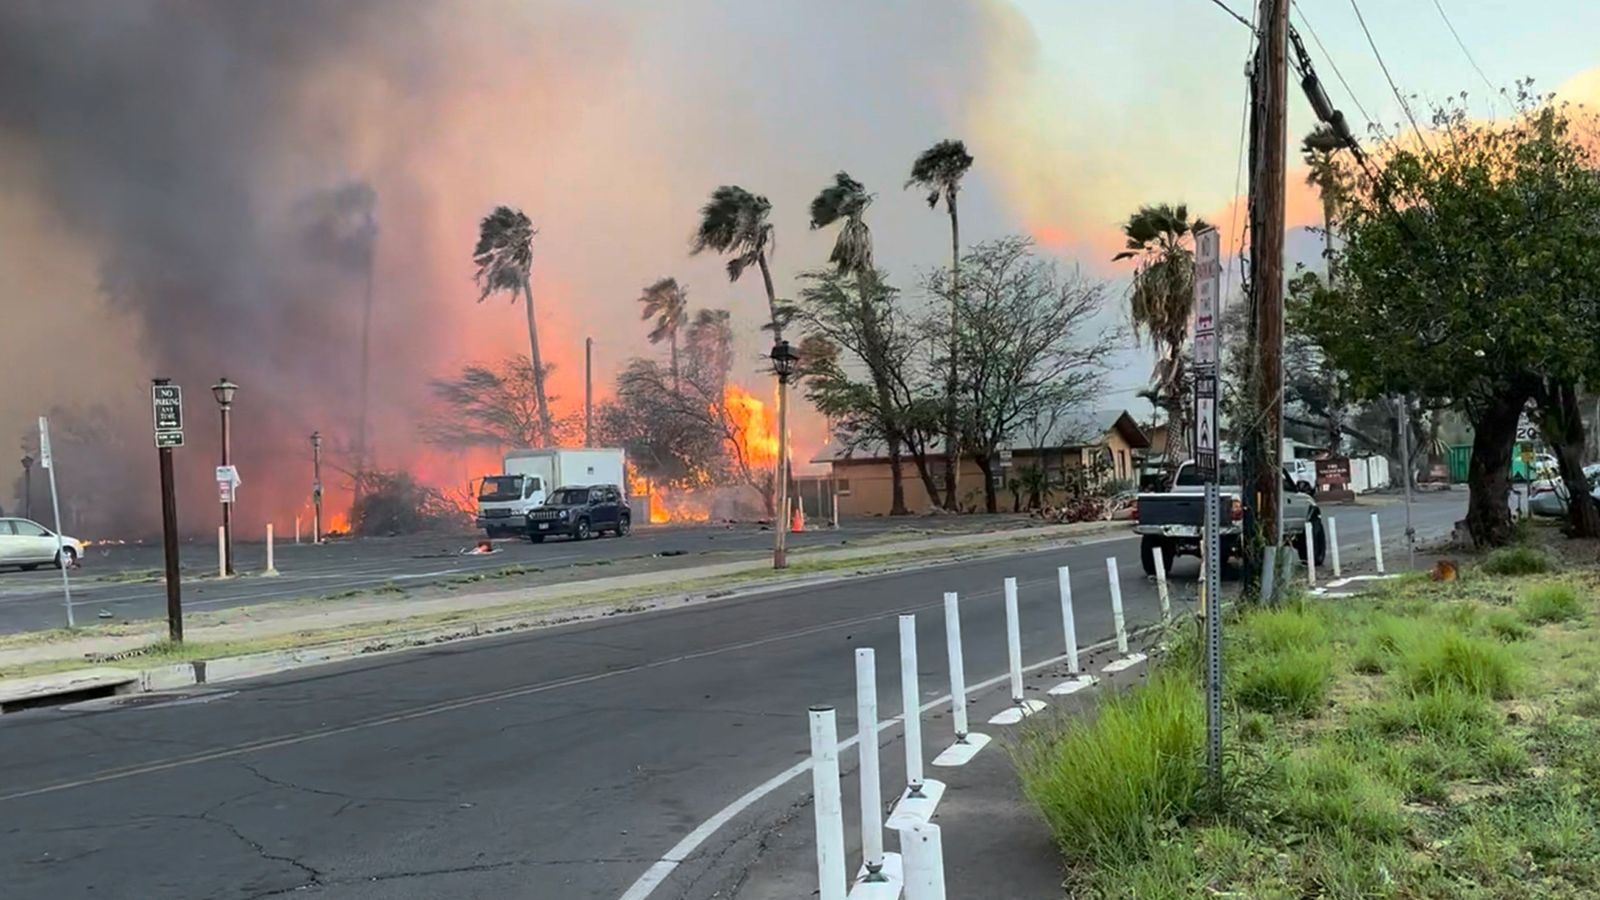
(1162, 301)
(668, 302)
(504, 257)
(938, 170)
(846, 200)
(1318, 149)
(734, 221)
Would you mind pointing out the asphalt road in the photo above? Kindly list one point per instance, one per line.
(121, 580)
(554, 764)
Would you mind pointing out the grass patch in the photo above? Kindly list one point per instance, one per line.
(1554, 601)
(1294, 681)
(1517, 560)
(1447, 658)
(1506, 625)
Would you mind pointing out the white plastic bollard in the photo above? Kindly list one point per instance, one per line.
(1020, 707)
(827, 804)
(836, 510)
(1333, 546)
(871, 783)
(297, 530)
(923, 853)
(1076, 680)
(968, 742)
(1125, 658)
(1377, 543)
(1311, 557)
(911, 699)
(271, 569)
(1161, 583)
(222, 552)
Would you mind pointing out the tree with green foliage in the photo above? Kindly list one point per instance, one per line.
(734, 223)
(846, 201)
(495, 404)
(1468, 275)
(938, 170)
(504, 257)
(667, 302)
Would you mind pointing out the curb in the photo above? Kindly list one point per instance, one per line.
(174, 676)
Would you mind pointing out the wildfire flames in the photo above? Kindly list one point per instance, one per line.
(755, 435)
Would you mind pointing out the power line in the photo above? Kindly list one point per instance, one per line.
(1238, 18)
(1464, 51)
(1404, 106)
(1329, 57)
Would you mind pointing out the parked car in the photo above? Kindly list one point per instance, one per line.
(1171, 521)
(28, 545)
(1548, 496)
(1303, 472)
(580, 513)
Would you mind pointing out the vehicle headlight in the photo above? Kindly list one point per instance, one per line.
(563, 514)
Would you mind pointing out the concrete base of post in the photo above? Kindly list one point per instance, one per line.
(1016, 712)
(1073, 685)
(961, 752)
(923, 854)
(1123, 663)
(887, 886)
(909, 810)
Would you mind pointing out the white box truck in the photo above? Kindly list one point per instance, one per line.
(529, 476)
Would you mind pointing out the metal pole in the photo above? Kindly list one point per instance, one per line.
(958, 674)
(780, 559)
(588, 392)
(826, 803)
(1406, 471)
(316, 487)
(1213, 624)
(27, 486)
(227, 505)
(871, 782)
(55, 505)
(169, 545)
(911, 700)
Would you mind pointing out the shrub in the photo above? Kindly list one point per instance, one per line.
(1506, 625)
(1447, 658)
(1517, 560)
(1553, 602)
(1105, 787)
(1293, 681)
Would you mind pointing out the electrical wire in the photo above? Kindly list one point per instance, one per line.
(1404, 106)
(1329, 57)
(1238, 18)
(1464, 51)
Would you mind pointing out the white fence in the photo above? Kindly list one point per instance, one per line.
(1368, 473)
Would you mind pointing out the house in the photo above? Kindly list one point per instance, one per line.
(1087, 449)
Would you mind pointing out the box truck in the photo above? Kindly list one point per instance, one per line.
(529, 476)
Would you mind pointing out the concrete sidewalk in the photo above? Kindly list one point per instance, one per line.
(374, 618)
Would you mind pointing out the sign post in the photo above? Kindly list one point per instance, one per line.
(1207, 285)
(166, 401)
(46, 460)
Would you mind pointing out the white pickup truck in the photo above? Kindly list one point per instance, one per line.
(1172, 520)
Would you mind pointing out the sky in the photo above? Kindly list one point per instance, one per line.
(157, 157)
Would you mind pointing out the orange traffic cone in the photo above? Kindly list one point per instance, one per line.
(797, 520)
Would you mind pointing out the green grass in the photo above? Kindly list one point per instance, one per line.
(1517, 560)
(1554, 601)
(1294, 681)
(1447, 658)
(1506, 625)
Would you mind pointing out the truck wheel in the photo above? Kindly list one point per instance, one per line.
(1319, 541)
(580, 531)
(1147, 554)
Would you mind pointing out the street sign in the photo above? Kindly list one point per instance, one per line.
(227, 482)
(166, 409)
(1207, 302)
(1205, 425)
(44, 442)
(166, 439)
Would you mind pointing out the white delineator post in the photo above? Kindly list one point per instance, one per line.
(921, 794)
(1124, 658)
(1377, 543)
(222, 552)
(836, 507)
(1020, 707)
(827, 804)
(1333, 546)
(967, 743)
(271, 568)
(867, 746)
(1078, 679)
(297, 529)
(1311, 557)
(1161, 584)
(923, 853)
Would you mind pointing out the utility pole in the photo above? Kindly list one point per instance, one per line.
(27, 486)
(316, 487)
(1269, 138)
(588, 392)
(166, 400)
(1406, 472)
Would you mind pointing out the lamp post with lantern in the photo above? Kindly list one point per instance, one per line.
(316, 487)
(784, 362)
(223, 391)
(27, 486)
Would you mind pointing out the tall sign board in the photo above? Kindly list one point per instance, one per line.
(1207, 312)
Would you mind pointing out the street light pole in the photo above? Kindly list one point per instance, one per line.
(316, 487)
(223, 391)
(783, 365)
(27, 486)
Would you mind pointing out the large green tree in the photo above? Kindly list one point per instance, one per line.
(938, 171)
(504, 257)
(1468, 275)
(734, 223)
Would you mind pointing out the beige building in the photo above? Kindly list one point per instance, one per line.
(1087, 450)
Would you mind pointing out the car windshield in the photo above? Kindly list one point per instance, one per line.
(569, 497)
(1189, 476)
(501, 487)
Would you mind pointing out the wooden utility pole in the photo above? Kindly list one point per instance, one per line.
(1270, 142)
(588, 392)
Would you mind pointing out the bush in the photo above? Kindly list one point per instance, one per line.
(1554, 602)
(1517, 560)
(1293, 681)
(1105, 787)
(1506, 625)
(1447, 658)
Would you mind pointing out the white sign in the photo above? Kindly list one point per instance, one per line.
(228, 475)
(44, 442)
(1205, 434)
(1207, 287)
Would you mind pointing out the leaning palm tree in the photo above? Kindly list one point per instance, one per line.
(734, 222)
(939, 171)
(668, 303)
(1162, 300)
(846, 201)
(1318, 149)
(504, 257)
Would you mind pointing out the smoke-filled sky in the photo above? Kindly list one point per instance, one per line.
(168, 168)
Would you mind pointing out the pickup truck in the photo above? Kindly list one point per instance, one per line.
(1172, 520)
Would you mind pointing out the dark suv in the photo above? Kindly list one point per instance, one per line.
(580, 512)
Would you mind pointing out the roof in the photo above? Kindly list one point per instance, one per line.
(1082, 428)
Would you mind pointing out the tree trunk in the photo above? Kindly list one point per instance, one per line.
(1562, 424)
(991, 500)
(772, 297)
(952, 446)
(672, 336)
(919, 458)
(366, 381)
(1489, 471)
(897, 481)
(546, 429)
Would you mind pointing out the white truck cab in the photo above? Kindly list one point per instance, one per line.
(504, 502)
(528, 477)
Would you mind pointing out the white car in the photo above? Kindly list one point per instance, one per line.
(26, 543)
(1548, 496)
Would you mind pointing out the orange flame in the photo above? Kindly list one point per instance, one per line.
(754, 433)
(668, 505)
(337, 523)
